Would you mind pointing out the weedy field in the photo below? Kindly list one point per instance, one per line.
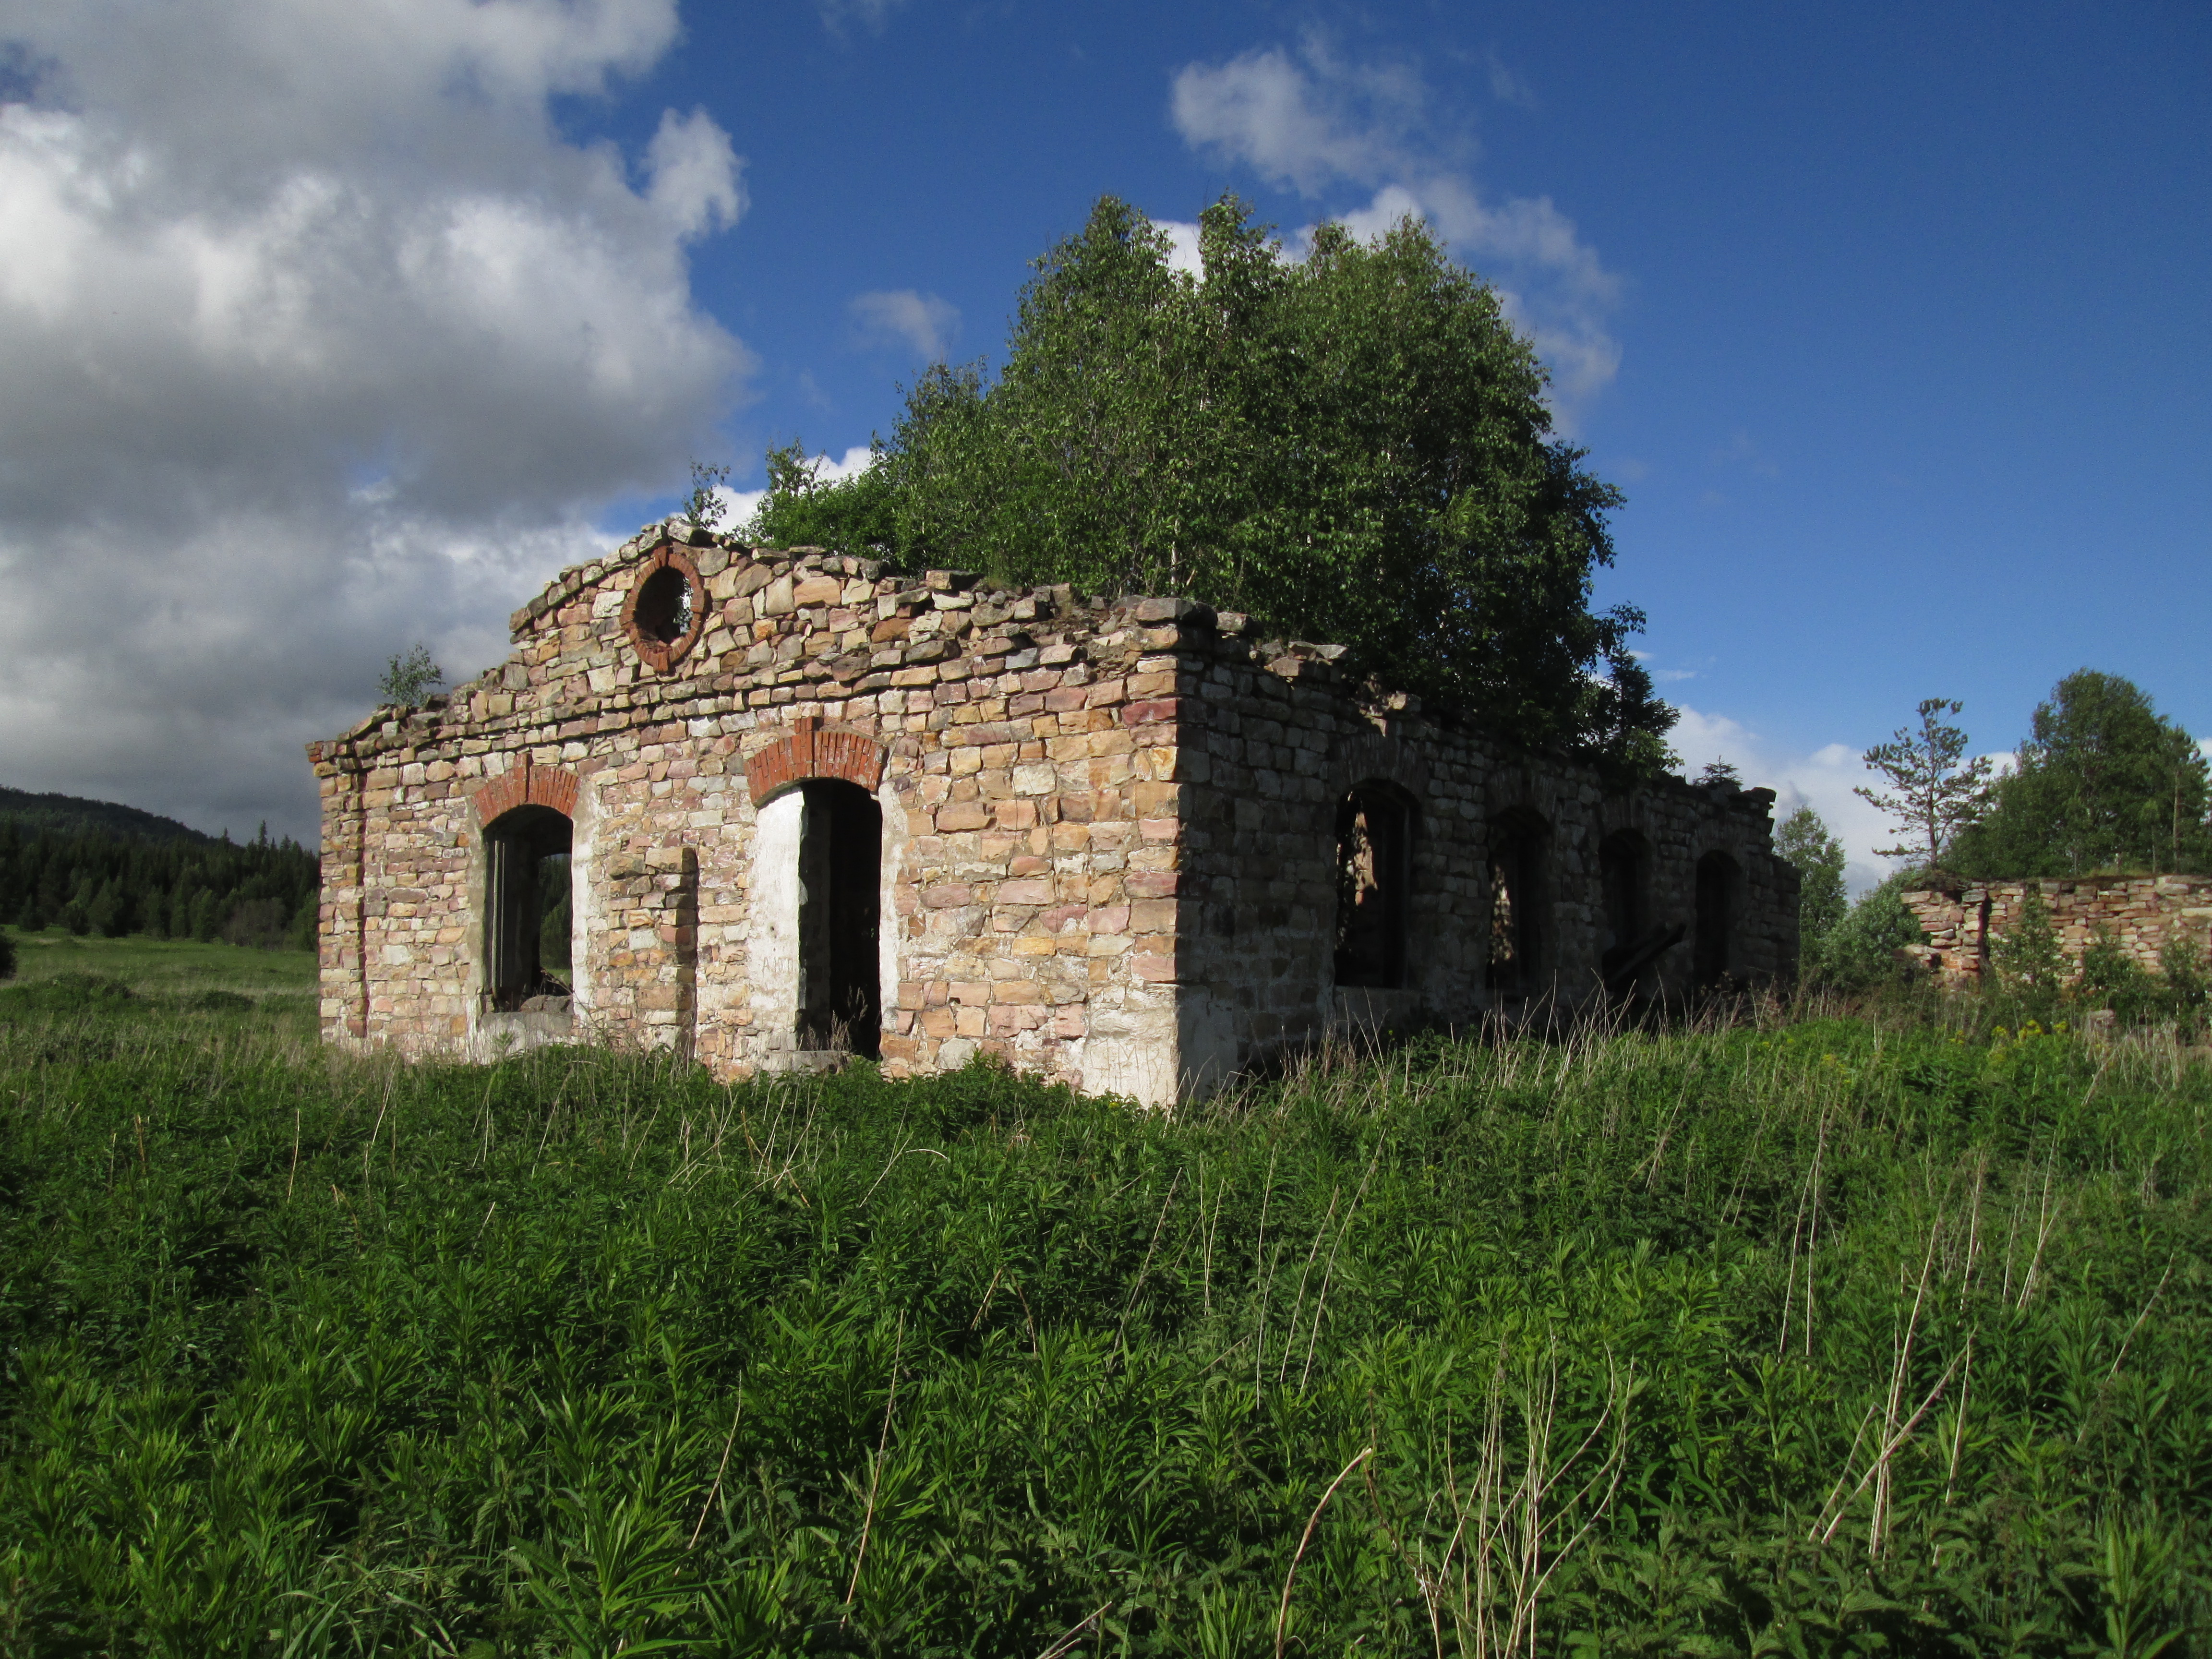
(1823, 1337)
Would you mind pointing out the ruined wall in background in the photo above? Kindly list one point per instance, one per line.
(2142, 912)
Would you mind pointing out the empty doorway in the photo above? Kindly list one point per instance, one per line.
(841, 841)
(1518, 903)
(1717, 905)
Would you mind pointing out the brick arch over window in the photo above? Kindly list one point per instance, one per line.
(811, 752)
(527, 785)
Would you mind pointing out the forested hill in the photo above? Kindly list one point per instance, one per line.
(101, 867)
(71, 813)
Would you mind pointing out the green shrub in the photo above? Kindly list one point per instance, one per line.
(2111, 978)
(2027, 958)
(2182, 966)
(1860, 951)
(219, 1002)
(582, 1351)
(67, 993)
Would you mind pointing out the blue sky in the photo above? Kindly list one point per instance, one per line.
(1894, 322)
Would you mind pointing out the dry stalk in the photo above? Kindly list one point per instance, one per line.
(1121, 1334)
(1321, 1302)
(1299, 1302)
(1283, 1616)
(720, 1468)
(1958, 1424)
(1067, 1642)
(1813, 1237)
(876, 1473)
(1821, 1534)
(1901, 1369)
(2046, 1218)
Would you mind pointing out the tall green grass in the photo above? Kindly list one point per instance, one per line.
(1819, 1338)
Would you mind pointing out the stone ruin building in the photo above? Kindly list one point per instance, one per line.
(1963, 921)
(769, 808)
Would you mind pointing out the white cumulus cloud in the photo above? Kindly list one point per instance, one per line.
(1822, 778)
(1182, 246)
(922, 322)
(318, 338)
(1312, 122)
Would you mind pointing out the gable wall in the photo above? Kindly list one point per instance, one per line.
(1023, 766)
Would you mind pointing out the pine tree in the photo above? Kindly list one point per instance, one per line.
(1934, 791)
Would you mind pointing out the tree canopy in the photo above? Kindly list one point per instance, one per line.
(1352, 447)
(1805, 841)
(2103, 782)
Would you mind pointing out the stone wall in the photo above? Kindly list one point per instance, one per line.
(1963, 923)
(1107, 829)
(1271, 740)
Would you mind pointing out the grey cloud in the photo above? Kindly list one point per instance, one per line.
(290, 386)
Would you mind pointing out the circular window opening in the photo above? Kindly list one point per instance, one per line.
(664, 613)
(664, 606)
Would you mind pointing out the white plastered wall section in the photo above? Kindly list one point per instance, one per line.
(1131, 1046)
(772, 931)
(587, 902)
(772, 926)
(895, 840)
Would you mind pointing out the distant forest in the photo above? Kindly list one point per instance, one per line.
(97, 867)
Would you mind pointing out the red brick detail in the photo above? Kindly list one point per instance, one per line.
(811, 752)
(527, 785)
(662, 655)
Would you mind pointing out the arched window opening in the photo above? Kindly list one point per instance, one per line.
(1634, 937)
(526, 911)
(1518, 904)
(841, 840)
(1374, 848)
(1717, 919)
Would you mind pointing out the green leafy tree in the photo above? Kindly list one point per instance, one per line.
(1818, 857)
(802, 510)
(1935, 791)
(704, 507)
(408, 679)
(1861, 951)
(1354, 448)
(2103, 782)
(2027, 956)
